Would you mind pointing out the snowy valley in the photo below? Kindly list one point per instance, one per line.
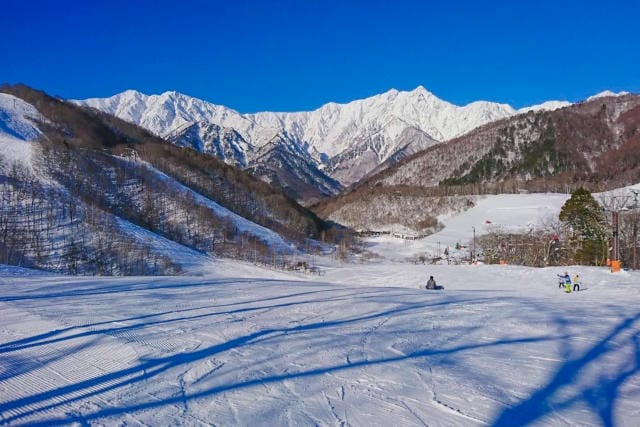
(231, 304)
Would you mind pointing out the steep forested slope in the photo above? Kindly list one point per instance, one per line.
(92, 165)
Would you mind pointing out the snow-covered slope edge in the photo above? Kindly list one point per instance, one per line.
(17, 128)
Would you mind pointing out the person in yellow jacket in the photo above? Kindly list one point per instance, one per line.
(576, 282)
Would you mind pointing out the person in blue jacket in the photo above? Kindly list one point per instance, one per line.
(565, 280)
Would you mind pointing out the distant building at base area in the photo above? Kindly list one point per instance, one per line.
(397, 235)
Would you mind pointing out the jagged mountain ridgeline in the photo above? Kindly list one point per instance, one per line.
(326, 149)
(86, 192)
(594, 144)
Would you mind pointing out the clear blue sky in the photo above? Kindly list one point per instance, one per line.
(291, 55)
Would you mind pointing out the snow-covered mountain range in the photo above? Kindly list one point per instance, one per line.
(346, 141)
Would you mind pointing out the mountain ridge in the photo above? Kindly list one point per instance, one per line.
(368, 132)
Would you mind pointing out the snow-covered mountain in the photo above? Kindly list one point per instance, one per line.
(329, 129)
(17, 127)
(285, 164)
(606, 93)
(548, 106)
(363, 133)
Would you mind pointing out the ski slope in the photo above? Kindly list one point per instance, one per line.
(361, 344)
(17, 131)
(515, 213)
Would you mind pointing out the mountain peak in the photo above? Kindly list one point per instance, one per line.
(128, 94)
(606, 93)
(422, 90)
(172, 94)
(132, 92)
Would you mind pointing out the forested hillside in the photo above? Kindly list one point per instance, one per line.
(89, 172)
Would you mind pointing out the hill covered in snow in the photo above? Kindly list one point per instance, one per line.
(363, 343)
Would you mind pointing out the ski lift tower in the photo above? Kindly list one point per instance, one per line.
(635, 227)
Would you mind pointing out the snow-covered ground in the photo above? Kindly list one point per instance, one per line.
(361, 344)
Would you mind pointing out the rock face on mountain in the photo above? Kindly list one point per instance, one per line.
(206, 137)
(286, 165)
(346, 142)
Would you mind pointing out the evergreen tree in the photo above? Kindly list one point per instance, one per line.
(584, 215)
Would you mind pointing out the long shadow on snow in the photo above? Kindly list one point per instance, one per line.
(289, 376)
(118, 331)
(40, 339)
(150, 368)
(600, 396)
(50, 291)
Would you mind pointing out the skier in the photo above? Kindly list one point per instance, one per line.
(564, 280)
(431, 284)
(576, 282)
(567, 283)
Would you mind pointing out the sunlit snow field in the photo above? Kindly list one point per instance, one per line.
(361, 344)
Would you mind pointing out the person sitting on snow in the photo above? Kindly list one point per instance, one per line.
(431, 284)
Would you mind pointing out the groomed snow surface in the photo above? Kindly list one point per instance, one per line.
(361, 345)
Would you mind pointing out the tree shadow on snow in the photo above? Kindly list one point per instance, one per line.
(600, 396)
(151, 368)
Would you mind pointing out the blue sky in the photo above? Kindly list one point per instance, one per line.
(292, 55)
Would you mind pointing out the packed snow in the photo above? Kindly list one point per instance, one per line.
(360, 344)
